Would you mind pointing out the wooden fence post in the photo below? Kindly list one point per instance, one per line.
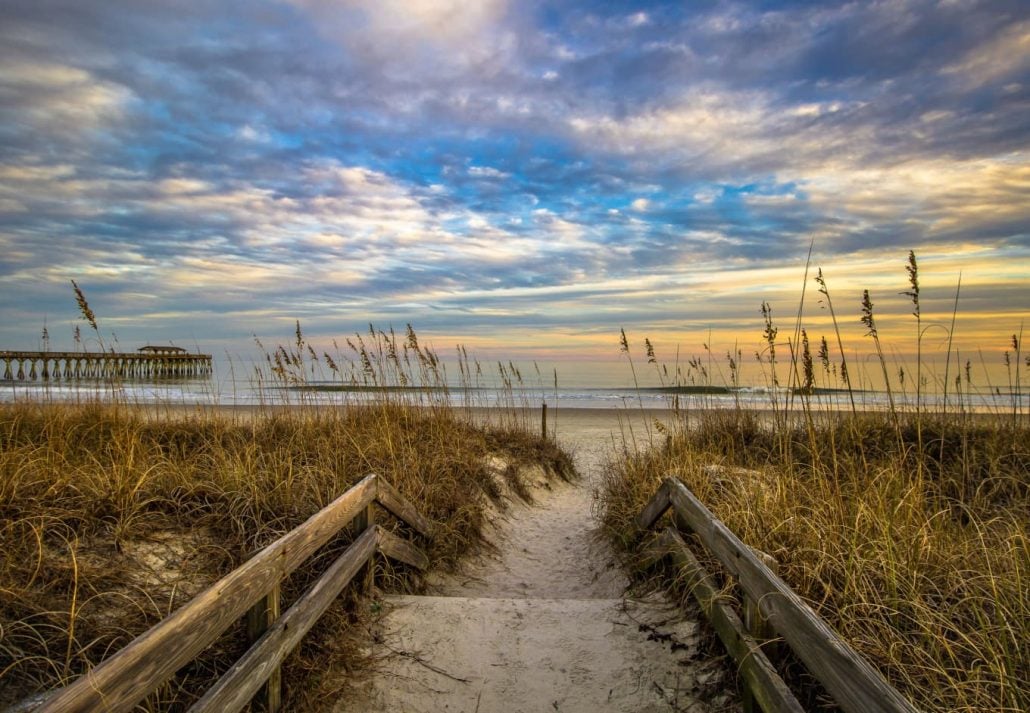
(362, 521)
(543, 421)
(259, 617)
(760, 630)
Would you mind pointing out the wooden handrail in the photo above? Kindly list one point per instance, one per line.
(855, 685)
(753, 666)
(401, 550)
(124, 679)
(389, 498)
(235, 689)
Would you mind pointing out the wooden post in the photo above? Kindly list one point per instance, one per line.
(259, 617)
(760, 630)
(543, 421)
(362, 521)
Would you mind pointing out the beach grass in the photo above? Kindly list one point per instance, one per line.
(925, 571)
(906, 528)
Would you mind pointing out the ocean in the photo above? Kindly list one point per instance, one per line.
(224, 392)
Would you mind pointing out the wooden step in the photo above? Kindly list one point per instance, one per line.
(540, 655)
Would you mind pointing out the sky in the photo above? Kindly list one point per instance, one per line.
(523, 178)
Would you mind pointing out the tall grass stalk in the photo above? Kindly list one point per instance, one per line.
(951, 341)
(912, 269)
(845, 375)
(795, 384)
(624, 348)
(1017, 344)
(870, 322)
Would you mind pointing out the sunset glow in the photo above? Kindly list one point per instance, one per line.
(522, 178)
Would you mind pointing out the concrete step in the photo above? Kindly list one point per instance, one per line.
(542, 655)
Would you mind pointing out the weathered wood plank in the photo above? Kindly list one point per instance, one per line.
(126, 677)
(389, 498)
(401, 550)
(759, 675)
(242, 681)
(361, 522)
(850, 679)
(655, 508)
(259, 618)
(759, 629)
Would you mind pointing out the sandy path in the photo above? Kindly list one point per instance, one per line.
(551, 548)
(543, 623)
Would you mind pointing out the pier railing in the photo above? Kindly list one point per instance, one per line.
(46, 366)
(120, 682)
(771, 608)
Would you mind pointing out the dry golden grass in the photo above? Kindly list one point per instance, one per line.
(924, 570)
(109, 519)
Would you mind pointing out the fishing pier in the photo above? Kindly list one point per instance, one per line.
(149, 362)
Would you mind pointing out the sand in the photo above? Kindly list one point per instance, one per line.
(543, 622)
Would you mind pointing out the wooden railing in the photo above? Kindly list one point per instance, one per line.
(856, 686)
(252, 589)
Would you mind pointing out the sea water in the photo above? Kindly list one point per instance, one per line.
(224, 392)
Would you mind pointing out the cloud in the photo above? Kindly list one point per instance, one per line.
(437, 21)
(498, 163)
(1003, 57)
(717, 134)
(487, 172)
(438, 35)
(58, 99)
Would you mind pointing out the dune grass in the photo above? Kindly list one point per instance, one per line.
(907, 528)
(111, 519)
(931, 587)
(113, 514)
